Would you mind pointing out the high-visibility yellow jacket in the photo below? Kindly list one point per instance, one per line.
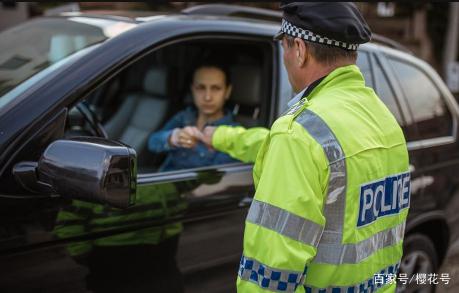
(332, 192)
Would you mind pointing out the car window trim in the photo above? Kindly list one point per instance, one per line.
(276, 87)
(371, 63)
(192, 173)
(430, 142)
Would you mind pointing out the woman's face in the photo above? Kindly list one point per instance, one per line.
(209, 90)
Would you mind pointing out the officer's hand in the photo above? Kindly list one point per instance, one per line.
(207, 135)
(186, 137)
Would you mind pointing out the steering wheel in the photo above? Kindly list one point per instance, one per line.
(83, 122)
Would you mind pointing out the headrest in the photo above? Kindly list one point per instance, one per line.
(155, 81)
(246, 82)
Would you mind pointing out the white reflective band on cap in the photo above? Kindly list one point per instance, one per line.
(294, 31)
(284, 223)
(335, 253)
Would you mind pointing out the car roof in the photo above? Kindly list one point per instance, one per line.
(100, 14)
(194, 13)
(147, 16)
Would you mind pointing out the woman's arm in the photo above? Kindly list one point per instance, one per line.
(159, 141)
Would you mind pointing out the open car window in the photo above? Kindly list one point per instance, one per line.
(146, 95)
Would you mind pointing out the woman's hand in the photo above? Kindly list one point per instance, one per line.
(207, 134)
(186, 137)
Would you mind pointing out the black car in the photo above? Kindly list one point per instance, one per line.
(79, 95)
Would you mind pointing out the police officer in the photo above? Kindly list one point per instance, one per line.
(331, 176)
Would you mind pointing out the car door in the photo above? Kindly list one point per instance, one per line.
(434, 112)
(203, 208)
(388, 89)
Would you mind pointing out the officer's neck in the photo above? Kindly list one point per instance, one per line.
(314, 70)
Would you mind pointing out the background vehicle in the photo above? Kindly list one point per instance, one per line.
(125, 87)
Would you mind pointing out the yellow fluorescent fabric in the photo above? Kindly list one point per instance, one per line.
(332, 162)
(240, 143)
(154, 202)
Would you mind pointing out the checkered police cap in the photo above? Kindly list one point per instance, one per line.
(338, 24)
(294, 31)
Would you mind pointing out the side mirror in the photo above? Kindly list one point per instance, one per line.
(85, 168)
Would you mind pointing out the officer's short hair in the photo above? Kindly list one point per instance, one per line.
(326, 54)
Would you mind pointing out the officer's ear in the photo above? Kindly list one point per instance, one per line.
(301, 52)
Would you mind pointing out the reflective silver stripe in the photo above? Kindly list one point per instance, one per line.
(269, 278)
(336, 253)
(284, 223)
(330, 249)
(336, 197)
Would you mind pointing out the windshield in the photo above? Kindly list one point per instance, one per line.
(34, 46)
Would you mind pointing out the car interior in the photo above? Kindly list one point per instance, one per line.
(142, 97)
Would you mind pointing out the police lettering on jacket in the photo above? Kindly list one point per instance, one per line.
(383, 197)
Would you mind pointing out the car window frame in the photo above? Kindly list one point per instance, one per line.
(446, 97)
(191, 173)
(370, 59)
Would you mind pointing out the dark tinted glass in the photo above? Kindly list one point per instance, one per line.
(386, 94)
(428, 108)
